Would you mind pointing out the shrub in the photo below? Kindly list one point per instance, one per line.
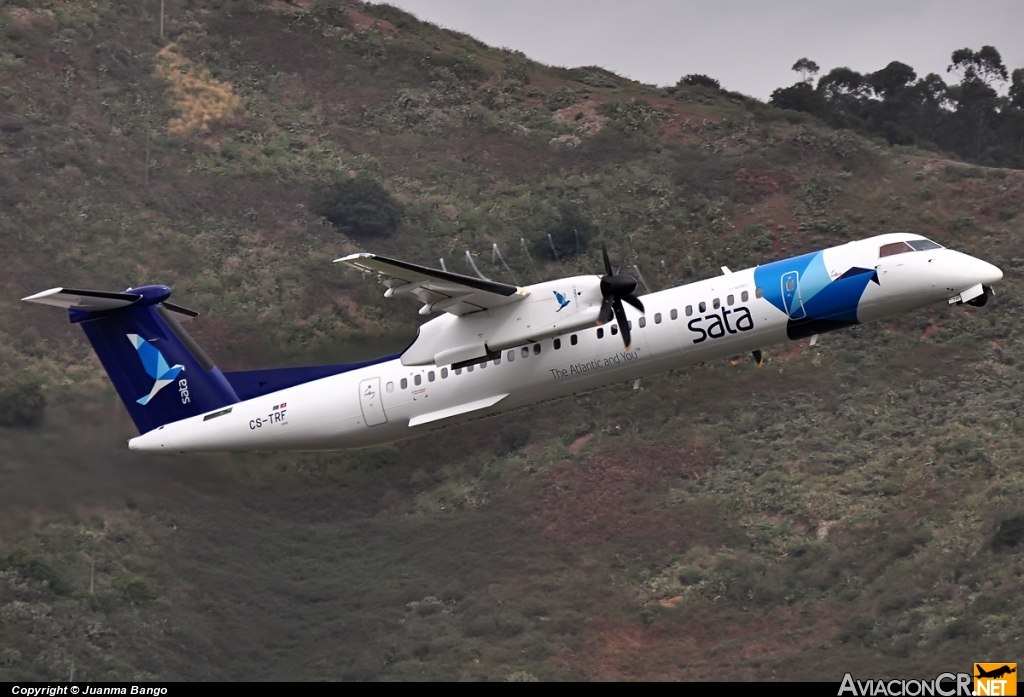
(561, 98)
(515, 435)
(569, 222)
(1010, 532)
(595, 79)
(22, 403)
(33, 567)
(699, 80)
(360, 207)
(135, 590)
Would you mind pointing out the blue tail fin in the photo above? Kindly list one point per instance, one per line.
(159, 372)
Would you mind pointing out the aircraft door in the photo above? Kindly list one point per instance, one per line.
(370, 402)
(791, 295)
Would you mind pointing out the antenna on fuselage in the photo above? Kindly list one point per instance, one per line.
(469, 258)
(522, 243)
(495, 252)
(442, 265)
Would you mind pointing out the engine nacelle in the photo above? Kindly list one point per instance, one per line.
(552, 308)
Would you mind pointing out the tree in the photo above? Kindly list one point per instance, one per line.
(985, 66)
(799, 97)
(807, 69)
(976, 100)
(360, 207)
(840, 83)
(892, 80)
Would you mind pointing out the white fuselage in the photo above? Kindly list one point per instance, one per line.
(390, 401)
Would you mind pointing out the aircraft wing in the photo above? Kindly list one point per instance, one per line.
(437, 290)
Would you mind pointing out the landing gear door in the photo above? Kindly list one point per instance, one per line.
(370, 402)
(791, 295)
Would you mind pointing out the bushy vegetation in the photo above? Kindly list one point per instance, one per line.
(22, 402)
(359, 206)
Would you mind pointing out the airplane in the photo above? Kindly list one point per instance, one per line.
(496, 347)
(995, 672)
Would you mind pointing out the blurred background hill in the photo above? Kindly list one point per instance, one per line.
(854, 506)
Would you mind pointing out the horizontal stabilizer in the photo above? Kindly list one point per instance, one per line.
(88, 300)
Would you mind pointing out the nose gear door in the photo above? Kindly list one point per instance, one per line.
(791, 295)
(370, 402)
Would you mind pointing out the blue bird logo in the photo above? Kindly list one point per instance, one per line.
(562, 301)
(155, 366)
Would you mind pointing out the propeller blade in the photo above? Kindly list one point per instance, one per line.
(635, 302)
(607, 312)
(607, 261)
(620, 316)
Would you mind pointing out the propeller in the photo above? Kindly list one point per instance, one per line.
(615, 288)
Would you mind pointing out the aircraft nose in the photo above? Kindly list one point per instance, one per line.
(986, 273)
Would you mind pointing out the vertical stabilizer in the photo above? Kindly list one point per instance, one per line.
(159, 372)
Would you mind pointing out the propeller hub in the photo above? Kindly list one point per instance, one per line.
(617, 285)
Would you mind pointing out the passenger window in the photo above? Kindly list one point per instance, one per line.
(717, 303)
(557, 344)
(483, 364)
(657, 318)
(526, 351)
(417, 380)
(458, 371)
(390, 387)
(497, 361)
(430, 376)
(444, 373)
(573, 340)
(404, 383)
(888, 250)
(615, 329)
(730, 300)
(702, 307)
(674, 314)
(643, 322)
(600, 332)
(744, 296)
(470, 368)
(536, 349)
(511, 356)
(689, 310)
(759, 292)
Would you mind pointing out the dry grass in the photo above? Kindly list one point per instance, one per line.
(200, 99)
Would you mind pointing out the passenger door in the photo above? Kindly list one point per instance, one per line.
(370, 402)
(791, 295)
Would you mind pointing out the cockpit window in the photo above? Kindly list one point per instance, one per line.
(888, 250)
(924, 245)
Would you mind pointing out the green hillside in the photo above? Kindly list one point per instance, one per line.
(854, 506)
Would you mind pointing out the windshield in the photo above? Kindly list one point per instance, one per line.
(888, 250)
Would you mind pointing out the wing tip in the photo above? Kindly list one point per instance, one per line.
(353, 257)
